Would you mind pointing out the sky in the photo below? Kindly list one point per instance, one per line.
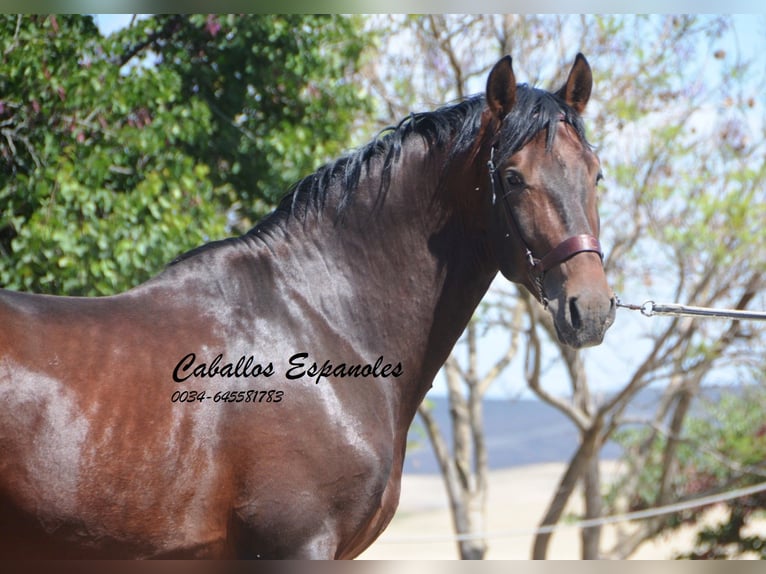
(108, 23)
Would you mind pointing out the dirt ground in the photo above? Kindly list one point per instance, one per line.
(422, 527)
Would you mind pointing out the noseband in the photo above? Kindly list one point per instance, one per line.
(538, 267)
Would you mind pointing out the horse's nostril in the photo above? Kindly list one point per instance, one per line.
(574, 313)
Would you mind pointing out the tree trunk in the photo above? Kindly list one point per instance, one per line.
(586, 452)
(591, 537)
(467, 504)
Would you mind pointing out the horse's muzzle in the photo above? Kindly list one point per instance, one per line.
(582, 318)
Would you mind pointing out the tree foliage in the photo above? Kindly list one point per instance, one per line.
(118, 153)
(722, 448)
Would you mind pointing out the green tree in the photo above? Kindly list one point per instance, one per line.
(280, 90)
(118, 153)
(721, 447)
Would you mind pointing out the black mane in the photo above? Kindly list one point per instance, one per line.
(535, 110)
(438, 128)
(454, 125)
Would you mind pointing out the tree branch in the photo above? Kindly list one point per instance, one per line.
(15, 41)
(533, 372)
(165, 33)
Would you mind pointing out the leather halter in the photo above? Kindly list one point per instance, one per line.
(538, 267)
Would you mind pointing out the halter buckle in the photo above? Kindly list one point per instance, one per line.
(531, 261)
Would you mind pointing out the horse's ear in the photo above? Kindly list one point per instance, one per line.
(576, 91)
(501, 88)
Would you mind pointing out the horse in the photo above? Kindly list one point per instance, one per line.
(252, 400)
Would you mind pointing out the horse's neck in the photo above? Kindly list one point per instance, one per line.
(402, 272)
(396, 275)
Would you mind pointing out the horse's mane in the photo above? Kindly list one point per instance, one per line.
(455, 125)
(438, 128)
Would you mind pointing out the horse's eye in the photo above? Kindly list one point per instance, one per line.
(514, 179)
(599, 177)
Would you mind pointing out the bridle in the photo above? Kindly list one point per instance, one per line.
(538, 267)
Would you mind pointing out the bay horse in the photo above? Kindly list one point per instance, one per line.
(253, 399)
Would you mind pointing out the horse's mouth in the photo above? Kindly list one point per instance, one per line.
(583, 324)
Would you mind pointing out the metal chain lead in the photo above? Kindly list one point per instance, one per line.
(650, 309)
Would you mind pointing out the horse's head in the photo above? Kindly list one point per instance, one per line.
(543, 177)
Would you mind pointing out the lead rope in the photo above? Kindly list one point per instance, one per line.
(650, 309)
